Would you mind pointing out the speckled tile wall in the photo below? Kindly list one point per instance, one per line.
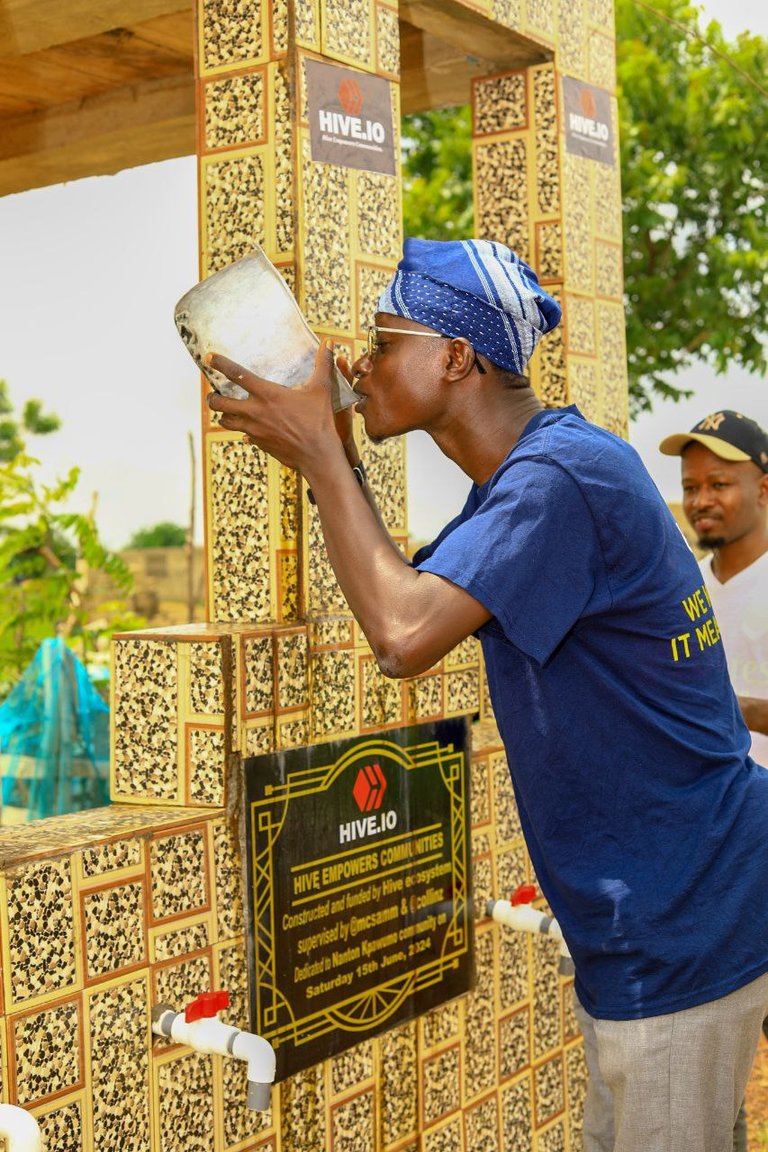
(105, 913)
(560, 211)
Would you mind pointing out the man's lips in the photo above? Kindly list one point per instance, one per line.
(705, 522)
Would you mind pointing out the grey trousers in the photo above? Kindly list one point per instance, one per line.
(671, 1083)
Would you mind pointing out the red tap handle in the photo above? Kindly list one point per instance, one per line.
(205, 1005)
(524, 894)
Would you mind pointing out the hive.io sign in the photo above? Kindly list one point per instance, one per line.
(350, 118)
(359, 913)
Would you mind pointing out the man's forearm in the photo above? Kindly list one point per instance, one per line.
(755, 713)
(410, 619)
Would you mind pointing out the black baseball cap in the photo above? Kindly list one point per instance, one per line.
(728, 434)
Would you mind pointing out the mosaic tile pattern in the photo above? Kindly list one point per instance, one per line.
(571, 40)
(381, 699)
(41, 949)
(145, 745)
(228, 880)
(235, 207)
(110, 857)
(602, 61)
(234, 110)
(303, 1110)
(398, 1081)
(482, 1124)
(448, 1137)
(514, 1043)
(379, 230)
(325, 202)
(500, 104)
(239, 519)
(231, 32)
(284, 136)
(258, 675)
(332, 694)
(549, 1093)
(502, 192)
(352, 1068)
(207, 763)
(609, 273)
(348, 31)
(584, 388)
(179, 984)
(115, 931)
(178, 868)
(516, 1114)
(509, 13)
(308, 23)
(48, 1052)
(62, 1128)
(549, 250)
(118, 1024)
(185, 1102)
(206, 692)
(425, 697)
(613, 362)
(480, 1072)
(542, 17)
(545, 119)
(353, 1123)
(601, 14)
(385, 465)
(292, 670)
(180, 941)
(441, 1080)
(387, 40)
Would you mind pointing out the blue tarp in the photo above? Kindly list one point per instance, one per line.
(54, 738)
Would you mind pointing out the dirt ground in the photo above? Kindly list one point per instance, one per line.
(757, 1101)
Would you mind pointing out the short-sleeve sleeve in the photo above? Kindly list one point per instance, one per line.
(529, 552)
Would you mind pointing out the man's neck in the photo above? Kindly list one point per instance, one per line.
(734, 557)
(480, 442)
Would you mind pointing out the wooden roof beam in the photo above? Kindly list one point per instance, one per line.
(31, 25)
(99, 136)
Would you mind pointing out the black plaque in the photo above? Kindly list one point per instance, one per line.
(358, 887)
(350, 118)
(588, 123)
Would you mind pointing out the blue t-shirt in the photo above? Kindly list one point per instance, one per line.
(645, 819)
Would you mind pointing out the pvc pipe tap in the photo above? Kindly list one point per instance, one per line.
(199, 1027)
(19, 1129)
(519, 913)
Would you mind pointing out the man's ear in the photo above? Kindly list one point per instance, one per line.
(763, 490)
(461, 358)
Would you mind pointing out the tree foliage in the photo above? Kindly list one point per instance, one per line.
(693, 164)
(693, 127)
(437, 174)
(165, 534)
(46, 552)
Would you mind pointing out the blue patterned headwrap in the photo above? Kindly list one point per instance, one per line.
(477, 289)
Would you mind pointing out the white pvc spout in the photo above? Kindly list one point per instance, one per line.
(212, 1036)
(525, 918)
(20, 1130)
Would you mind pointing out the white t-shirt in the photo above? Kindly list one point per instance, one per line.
(741, 609)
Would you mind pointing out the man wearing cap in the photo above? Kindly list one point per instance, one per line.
(724, 469)
(643, 815)
(725, 497)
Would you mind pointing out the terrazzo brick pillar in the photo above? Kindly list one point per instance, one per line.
(559, 210)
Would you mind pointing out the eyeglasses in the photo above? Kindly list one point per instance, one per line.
(372, 345)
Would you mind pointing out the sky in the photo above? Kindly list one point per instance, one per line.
(91, 271)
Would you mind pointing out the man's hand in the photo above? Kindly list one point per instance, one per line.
(755, 713)
(295, 425)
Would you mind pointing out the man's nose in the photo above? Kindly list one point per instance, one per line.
(362, 365)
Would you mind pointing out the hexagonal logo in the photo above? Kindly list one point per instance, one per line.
(350, 96)
(369, 788)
